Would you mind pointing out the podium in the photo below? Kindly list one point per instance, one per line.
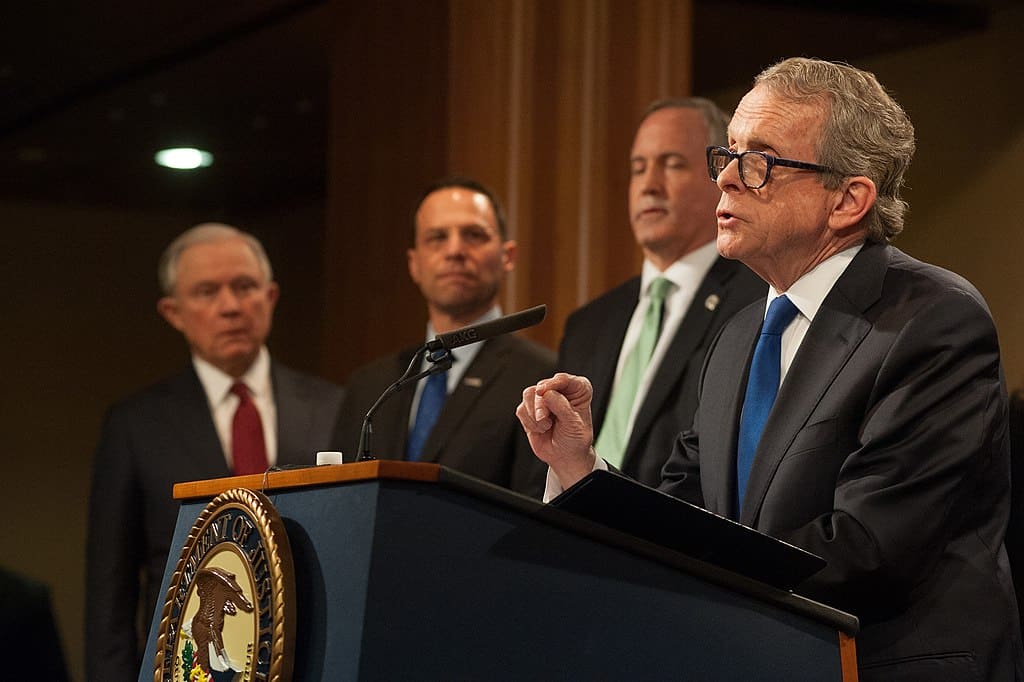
(411, 571)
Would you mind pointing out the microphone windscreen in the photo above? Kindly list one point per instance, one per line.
(502, 325)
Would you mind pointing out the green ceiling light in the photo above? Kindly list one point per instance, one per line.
(183, 158)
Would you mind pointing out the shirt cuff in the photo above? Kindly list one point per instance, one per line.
(553, 488)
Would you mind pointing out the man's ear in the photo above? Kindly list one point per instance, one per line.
(854, 199)
(273, 294)
(168, 309)
(414, 271)
(508, 255)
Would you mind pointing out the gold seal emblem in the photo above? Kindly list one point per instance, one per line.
(229, 611)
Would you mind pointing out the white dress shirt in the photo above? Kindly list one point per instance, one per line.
(807, 294)
(223, 403)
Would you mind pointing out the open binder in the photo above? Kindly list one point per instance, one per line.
(625, 505)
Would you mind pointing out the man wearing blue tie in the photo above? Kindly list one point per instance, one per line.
(860, 411)
(462, 418)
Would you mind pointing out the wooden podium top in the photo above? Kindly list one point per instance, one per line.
(312, 475)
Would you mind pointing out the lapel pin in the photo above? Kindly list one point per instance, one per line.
(712, 301)
(473, 382)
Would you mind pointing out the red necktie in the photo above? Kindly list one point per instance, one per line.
(248, 451)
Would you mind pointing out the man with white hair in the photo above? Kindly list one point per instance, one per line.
(858, 411)
(231, 411)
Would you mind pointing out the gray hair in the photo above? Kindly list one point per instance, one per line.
(715, 120)
(205, 233)
(865, 133)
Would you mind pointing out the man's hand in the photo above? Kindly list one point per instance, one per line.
(556, 416)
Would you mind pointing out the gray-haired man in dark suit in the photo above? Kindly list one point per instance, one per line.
(220, 294)
(858, 411)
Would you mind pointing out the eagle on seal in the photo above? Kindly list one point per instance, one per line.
(219, 594)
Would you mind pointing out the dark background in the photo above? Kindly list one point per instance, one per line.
(92, 90)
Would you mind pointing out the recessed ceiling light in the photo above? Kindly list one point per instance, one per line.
(183, 158)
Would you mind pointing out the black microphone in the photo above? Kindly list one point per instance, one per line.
(440, 362)
(438, 352)
(502, 325)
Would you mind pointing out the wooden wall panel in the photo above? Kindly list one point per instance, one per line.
(388, 138)
(537, 99)
(553, 91)
(650, 58)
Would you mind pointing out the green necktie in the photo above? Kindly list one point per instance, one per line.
(612, 441)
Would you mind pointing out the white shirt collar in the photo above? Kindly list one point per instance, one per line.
(217, 384)
(687, 273)
(808, 292)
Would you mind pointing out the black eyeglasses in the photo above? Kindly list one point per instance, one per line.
(755, 167)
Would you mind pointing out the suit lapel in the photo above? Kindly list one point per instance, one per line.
(294, 417)
(189, 411)
(475, 382)
(692, 330)
(837, 331)
(721, 401)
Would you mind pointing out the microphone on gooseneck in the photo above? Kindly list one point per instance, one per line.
(502, 325)
(438, 353)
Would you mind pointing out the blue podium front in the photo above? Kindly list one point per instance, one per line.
(412, 571)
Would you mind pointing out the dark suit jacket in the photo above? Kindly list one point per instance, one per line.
(593, 340)
(886, 453)
(1015, 529)
(477, 433)
(28, 631)
(154, 439)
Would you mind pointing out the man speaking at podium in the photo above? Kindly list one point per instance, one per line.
(231, 411)
(860, 411)
(462, 418)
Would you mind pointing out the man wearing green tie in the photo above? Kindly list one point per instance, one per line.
(643, 342)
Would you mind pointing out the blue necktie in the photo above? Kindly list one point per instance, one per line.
(431, 401)
(762, 387)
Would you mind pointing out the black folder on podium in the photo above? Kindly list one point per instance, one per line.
(621, 503)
